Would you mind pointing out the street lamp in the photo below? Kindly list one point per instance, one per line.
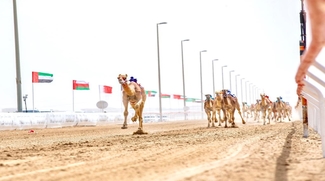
(241, 88)
(25, 97)
(183, 78)
(201, 83)
(222, 76)
(214, 90)
(236, 83)
(18, 74)
(159, 83)
(230, 79)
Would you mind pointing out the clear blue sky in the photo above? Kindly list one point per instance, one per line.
(95, 40)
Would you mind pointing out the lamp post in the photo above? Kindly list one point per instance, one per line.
(25, 97)
(159, 83)
(201, 83)
(230, 80)
(183, 79)
(236, 83)
(241, 88)
(18, 74)
(214, 90)
(223, 85)
(250, 92)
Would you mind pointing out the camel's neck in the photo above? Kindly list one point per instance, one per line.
(129, 90)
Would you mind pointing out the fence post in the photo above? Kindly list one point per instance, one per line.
(304, 116)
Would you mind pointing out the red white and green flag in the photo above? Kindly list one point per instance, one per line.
(165, 95)
(106, 89)
(151, 93)
(41, 77)
(176, 96)
(80, 85)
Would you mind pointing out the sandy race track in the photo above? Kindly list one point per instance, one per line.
(178, 150)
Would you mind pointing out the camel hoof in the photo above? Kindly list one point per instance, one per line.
(234, 126)
(124, 127)
(140, 131)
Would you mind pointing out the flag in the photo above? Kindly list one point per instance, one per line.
(165, 96)
(80, 85)
(198, 100)
(151, 93)
(106, 89)
(190, 100)
(41, 77)
(176, 96)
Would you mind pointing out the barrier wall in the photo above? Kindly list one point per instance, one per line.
(315, 104)
(13, 121)
(20, 121)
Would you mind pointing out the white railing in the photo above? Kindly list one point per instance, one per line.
(315, 104)
(22, 121)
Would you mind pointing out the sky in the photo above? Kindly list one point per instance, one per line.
(96, 40)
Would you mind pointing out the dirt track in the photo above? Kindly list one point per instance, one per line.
(176, 150)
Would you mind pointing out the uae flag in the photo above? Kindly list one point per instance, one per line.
(151, 93)
(106, 89)
(41, 77)
(80, 85)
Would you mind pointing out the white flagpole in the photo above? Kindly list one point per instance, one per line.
(33, 95)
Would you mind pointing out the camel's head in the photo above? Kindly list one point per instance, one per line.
(208, 97)
(122, 78)
(218, 94)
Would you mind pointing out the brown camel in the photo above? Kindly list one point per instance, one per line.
(265, 107)
(208, 107)
(134, 94)
(218, 107)
(230, 104)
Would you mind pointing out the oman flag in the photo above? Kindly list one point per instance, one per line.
(106, 89)
(80, 85)
(41, 77)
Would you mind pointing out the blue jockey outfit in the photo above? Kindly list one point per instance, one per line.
(229, 93)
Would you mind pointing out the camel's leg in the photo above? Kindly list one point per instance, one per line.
(219, 117)
(208, 113)
(140, 111)
(225, 117)
(242, 119)
(213, 119)
(126, 113)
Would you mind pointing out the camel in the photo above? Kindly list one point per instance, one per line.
(316, 13)
(288, 109)
(265, 106)
(256, 109)
(218, 107)
(209, 110)
(133, 94)
(279, 106)
(230, 104)
(245, 109)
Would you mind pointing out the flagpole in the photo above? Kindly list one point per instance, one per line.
(33, 95)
